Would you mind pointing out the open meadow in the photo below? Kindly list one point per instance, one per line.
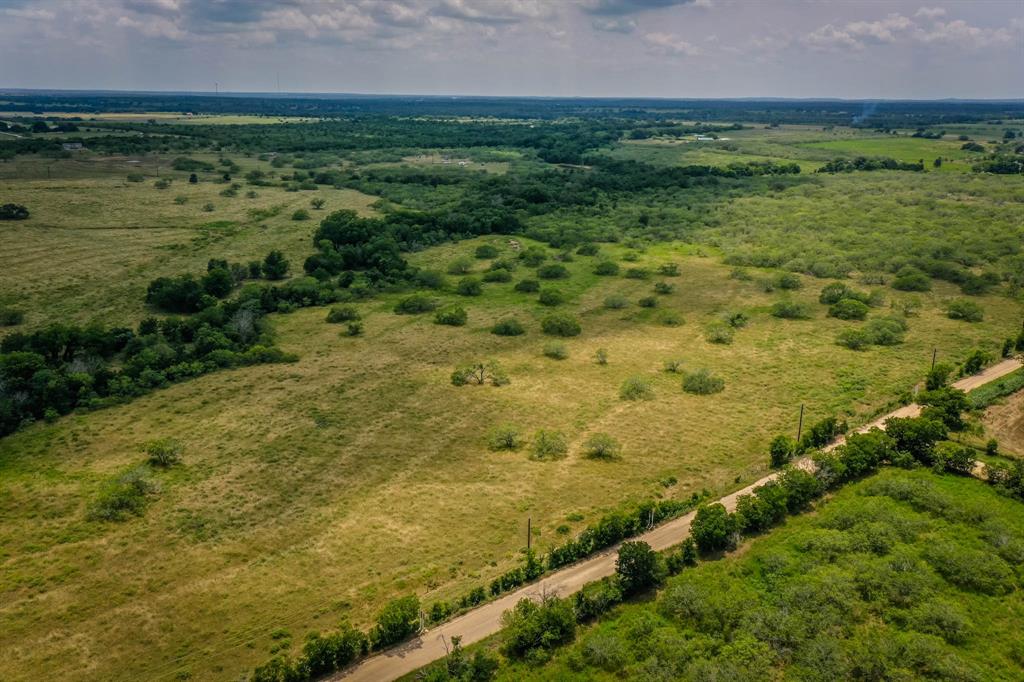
(315, 491)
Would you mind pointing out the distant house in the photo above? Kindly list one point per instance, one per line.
(72, 146)
(705, 138)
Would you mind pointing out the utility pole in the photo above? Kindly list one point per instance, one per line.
(935, 353)
(529, 533)
(800, 426)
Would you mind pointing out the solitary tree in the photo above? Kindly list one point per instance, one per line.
(637, 566)
(275, 265)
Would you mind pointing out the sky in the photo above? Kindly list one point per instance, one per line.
(578, 48)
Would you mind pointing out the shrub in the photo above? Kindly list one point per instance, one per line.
(636, 388)
(968, 311)
(344, 313)
(638, 567)
(533, 629)
(702, 382)
(976, 361)
(616, 302)
(480, 373)
(508, 326)
(527, 286)
(560, 325)
(460, 266)
(673, 366)
(453, 316)
(588, 249)
(354, 329)
(791, 310)
(301, 214)
(275, 265)
(789, 281)
(551, 297)
(164, 452)
(670, 318)
(606, 268)
(886, 331)
(637, 273)
(504, 437)
(854, 339)
(647, 302)
(415, 304)
(664, 288)
(317, 203)
(602, 446)
(10, 317)
(549, 445)
(126, 495)
(597, 598)
(668, 270)
(712, 528)
(781, 450)
(533, 256)
(734, 318)
(601, 356)
(718, 332)
(208, 207)
(136, 177)
(553, 271)
(162, 183)
(396, 622)
(556, 351)
(848, 309)
(911, 279)
(469, 286)
(497, 276)
(486, 251)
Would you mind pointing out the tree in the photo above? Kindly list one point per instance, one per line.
(848, 309)
(938, 376)
(317, 203)
(781, 450)
(801, 488)
(485, 251)
(480, 373)
(193, 179)
(397, 621)
(530, 626)
(218, 282)
(275, 265)
(469, 286)
(712, 528)
(638, 567)
(915, 436)
(602, 446)
(560, 325)
(164, 452)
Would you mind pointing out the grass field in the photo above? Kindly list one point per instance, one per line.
(299, 480)
(906, 149)
(823, 606)
(95, 240)
(315, 491)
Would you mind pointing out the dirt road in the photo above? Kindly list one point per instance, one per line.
(486, 620)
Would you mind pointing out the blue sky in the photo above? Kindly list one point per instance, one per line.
(656, 48)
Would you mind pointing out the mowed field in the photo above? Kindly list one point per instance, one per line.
(1004, 421)
(316, 491)
(96, 240)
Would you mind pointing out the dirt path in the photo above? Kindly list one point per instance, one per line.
(486, 620)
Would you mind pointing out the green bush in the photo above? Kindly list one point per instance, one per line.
(668, 270)
(549, 445)
(606, 268)
(344, 313)
(968, 311)
(504, 437)
(791, 310)
(453, 316)
(911, 279)
(556, 351)
(527, 286)
(460, 266)
(636, 388)
(854, 339)
(638, 567)
(560, 325)
(848, 309)
(533, 256)
(128, 494)
(10, 317)
(702, 382)
(647, 302)
(588, 249)
(508, 326)
(718, 332)
(354, 329)
(497, 276)
(789, 281)
(397, 621)
(469, 286)
(551, 297)
(713, 528)
(637, 273)
(781, 450)
(553, 271)
(415, 304)
(616, 302)
(602, 446)
(531, 629)
(486, 251)
(664, 288)
(164, 452)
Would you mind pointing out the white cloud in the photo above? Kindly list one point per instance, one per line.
(617, 25)
(670, 44)
(896, 28)
(930, 12)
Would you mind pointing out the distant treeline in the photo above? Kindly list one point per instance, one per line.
(814, 112)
